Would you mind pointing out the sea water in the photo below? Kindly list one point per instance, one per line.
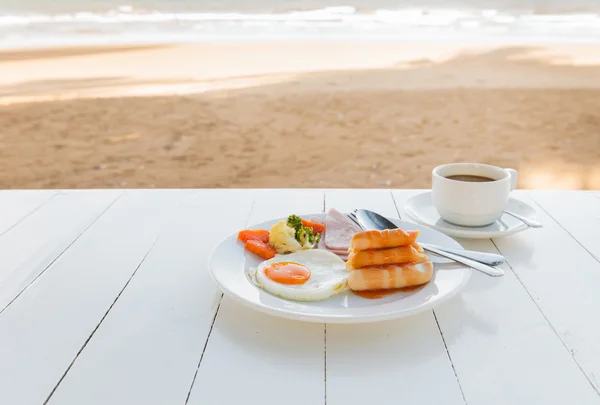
(56, 22)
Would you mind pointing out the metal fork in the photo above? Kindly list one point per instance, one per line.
(352, 217)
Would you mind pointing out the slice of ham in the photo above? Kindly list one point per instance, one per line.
(342, 253)
(339, 230)
(338, 222)
(321, 245)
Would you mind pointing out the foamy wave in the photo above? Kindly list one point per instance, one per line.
(587, 18)
(405, 22)
(421, 17)
(341, 14)
(123, 14)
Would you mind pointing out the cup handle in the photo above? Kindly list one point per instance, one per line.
(514, 177)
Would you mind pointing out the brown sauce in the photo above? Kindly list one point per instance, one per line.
(376, 294)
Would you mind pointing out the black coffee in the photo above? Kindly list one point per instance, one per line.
(469, 177)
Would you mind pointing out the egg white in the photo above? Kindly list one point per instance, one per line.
(328, 276)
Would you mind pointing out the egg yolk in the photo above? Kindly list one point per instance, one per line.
(288, 273)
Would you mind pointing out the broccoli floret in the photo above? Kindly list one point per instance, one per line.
(301, 236)
(294, 221)
(304, 234)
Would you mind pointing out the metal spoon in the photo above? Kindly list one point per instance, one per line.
(371, 220)
(527, 221)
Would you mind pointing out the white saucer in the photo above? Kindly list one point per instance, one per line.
(421, 210)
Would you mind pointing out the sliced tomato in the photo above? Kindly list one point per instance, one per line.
(261, 249)
(254, 234)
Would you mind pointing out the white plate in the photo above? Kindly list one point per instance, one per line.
(229, 262)
(420, 209)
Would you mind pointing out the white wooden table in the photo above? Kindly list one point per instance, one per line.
(105, 299)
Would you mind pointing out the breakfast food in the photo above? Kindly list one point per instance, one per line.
(306, 275)
(260, 248)
(337, 233)
(386, 260)
(390, 276)
(304, 258)
(342, 253)
(286, 236)
(291, 235)
(387, 238)
(254, 234)
(378, 257)
(316, 226)
(339, 230)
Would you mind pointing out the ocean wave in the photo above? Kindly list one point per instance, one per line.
(328, 21)
(341, 14)
(563, 18)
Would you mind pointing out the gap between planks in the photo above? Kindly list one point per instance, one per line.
(535, 302)
(214, 319)
(100, 322)
(163, 226)
(33, 211)
(548, 321)
(462, 393)
(62, 252)
(449, 358)
(563, 228)
(217, 313)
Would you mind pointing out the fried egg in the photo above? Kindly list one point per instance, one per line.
(306, 275)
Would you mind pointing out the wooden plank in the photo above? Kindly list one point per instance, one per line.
(577, 212)
(48, 325)
(16, 205)
(31, 246)
(256, 358)
(501, 345)
(147, 349)
(562, 279)
(370, 363)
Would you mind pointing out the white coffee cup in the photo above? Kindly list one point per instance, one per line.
(469, 203)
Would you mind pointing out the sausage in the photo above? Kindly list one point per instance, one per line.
(390, 276)
(388, 238)
(377, 257)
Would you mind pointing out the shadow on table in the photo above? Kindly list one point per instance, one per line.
(519, 249)
(257, 335)
(463, 318)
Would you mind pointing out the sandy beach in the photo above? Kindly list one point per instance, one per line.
(297, 114)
